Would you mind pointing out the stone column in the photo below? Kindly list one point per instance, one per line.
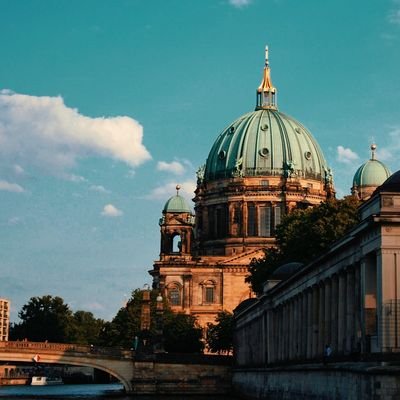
(186, 292)
(350, 312)
(309, 323)
(315, 322)
(334, 313)
(342, 312)
(296, 334)
(327, 312)
(321, 321)
(304, 330)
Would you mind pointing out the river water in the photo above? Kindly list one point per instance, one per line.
(81, 392)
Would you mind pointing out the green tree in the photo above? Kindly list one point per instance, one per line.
(220, 335)
(304, 235)
(86, 328)
(44, 318)
(126, 324)
(181, 333)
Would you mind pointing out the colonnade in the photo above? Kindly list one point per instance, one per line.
(329, 312)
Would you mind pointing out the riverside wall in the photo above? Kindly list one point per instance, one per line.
(344, 381)
(182, 374)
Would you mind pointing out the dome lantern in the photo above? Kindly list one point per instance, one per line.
(266, 92)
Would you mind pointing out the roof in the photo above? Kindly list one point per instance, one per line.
(266, 142)
(392, 184)
(176, 204)
(371, 173)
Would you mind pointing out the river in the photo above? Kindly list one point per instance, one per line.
(83, 392)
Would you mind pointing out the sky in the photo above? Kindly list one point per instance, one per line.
(106, 105)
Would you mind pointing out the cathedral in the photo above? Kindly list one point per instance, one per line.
(260, 167)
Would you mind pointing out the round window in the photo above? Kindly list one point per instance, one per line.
(264, 127)
(222, 154)
(307, 155)
(264, 152)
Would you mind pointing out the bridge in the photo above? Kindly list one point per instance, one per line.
(151, 374)
(118, 363)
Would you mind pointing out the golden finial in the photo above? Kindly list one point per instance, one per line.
(178, 187)
(373, 148)
(266, 92)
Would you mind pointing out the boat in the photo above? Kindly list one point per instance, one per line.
(46, 380)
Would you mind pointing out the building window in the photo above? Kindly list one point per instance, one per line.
(174, 296)
(265, 221)
(209, 295)
(277, 215)
(208, 288)
(176, 244)
(251, 220)
(222, 221)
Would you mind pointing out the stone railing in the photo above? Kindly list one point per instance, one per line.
(64, 348)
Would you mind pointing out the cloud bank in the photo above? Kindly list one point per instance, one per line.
(43, 132)
(111, 211)
(174, 167)
(346, 156)
(11, 187)
(165, 191)
(239, 3)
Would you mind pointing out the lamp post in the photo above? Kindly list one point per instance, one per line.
(159, 345)
(145, 319)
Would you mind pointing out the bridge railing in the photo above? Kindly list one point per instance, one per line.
(65, 348)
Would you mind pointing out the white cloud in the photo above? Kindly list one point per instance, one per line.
(346, 156)
(111, 211)
(175, 167)
(389, 153)
(11, 187)
(394, 16)
(18, 170)
(73, 178)
(14, 221)
(239, 3)
(44, 132)
(164, 192)
(99, 188)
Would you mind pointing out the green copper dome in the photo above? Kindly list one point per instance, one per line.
(371, 173)
(176, 204)
(266, 142)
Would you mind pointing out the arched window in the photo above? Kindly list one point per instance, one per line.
(174, 294)
(176, 244)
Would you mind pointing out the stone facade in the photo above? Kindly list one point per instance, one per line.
(4, 319)
(260, 167)
(348, 299)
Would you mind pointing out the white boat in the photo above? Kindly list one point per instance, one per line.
(46, 380)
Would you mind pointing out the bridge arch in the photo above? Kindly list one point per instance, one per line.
(116, 362)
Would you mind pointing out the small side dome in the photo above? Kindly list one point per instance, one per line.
(392, 184)
(176, 204)
(369, 176)
(286, 270)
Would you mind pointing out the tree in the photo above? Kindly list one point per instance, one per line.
(126, 324)
(44, 318)
(304, 235)
(86, 328)
(220, 335)
(181, 333)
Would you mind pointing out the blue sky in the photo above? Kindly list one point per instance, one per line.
(106, 105)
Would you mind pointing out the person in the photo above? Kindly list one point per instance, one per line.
(327, 353)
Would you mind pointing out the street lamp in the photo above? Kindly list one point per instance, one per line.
(159, 345)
